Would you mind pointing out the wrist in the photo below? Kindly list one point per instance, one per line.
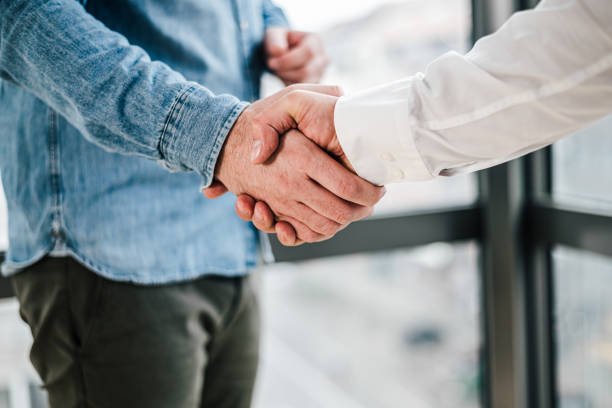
(232, 159)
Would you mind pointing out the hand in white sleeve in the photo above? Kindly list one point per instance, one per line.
(545, 74)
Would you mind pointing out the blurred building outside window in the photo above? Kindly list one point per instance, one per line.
(390, 329)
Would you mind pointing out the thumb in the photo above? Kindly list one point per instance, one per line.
(295, 37)
(275, 42)
(265, 143)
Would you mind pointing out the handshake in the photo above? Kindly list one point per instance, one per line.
(284, 162)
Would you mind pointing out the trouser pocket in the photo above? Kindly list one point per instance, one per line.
(58, 299)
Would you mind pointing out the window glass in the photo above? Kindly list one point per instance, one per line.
(582, 167)
(19, 383)
(371, 42)
(583, 317)
(393, 329)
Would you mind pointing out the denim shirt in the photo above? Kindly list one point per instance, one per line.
(112, 116)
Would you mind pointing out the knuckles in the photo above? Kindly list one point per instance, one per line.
(308, 235)
(328, 228)
(349, 188)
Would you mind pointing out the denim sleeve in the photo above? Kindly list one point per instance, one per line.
(110, 90)
(273, 15)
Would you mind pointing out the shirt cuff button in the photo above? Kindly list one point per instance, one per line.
(398, 174)
(388, 157)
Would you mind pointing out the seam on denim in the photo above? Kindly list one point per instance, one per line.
(182, 275)
(57, 217)
(174, 136)
(16, 267)
(179, 99)
(221, 136)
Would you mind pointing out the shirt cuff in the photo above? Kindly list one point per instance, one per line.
(196, 129)
(374, 131)
(276, 18)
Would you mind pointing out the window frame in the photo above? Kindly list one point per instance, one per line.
(516, 223)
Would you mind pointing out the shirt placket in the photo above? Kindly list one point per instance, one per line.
(244, 28)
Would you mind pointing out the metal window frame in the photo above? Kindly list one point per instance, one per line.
(517, 224)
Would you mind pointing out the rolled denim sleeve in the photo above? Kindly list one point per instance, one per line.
(273, 15)
(111, 90)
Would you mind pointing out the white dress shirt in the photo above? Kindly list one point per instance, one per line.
(545, 74)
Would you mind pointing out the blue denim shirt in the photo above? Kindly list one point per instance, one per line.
(112, 115)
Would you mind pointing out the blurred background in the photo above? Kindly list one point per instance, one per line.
(414, 321)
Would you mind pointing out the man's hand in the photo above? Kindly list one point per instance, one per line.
(308, 108)
(295, 56)
(300, 183)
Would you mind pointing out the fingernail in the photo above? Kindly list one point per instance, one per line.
(256, 150)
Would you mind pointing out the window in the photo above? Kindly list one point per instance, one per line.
(371, 42)
(382, 329)
(391, 329)
(18, 380)
(582, 167)
(583, 323)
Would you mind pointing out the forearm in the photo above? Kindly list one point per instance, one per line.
(542, 76)
(110, 90)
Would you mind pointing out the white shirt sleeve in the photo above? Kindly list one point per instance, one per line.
(543, 75)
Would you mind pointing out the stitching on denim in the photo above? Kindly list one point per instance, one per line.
(181, 275)
(222, 135)
(54, 172)
(180, 99)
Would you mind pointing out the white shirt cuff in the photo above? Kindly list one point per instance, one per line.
(373, 128)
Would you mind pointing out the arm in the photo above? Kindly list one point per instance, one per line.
(544, 75)
(121, 100)
(110, 90)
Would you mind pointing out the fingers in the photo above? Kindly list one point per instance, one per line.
(331, 90)
(276, 41)
(296, 37)
(295, 58)
(278, 118)
(311, 72)
(312, 219)
(286, 234)
(265, 143)
(263, 218)
(302, 232)
(340, 181)
(245, 207)
(328, 205)
(215, 190)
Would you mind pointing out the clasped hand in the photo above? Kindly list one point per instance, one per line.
(283, 160)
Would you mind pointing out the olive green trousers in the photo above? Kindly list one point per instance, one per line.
(100, 343)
